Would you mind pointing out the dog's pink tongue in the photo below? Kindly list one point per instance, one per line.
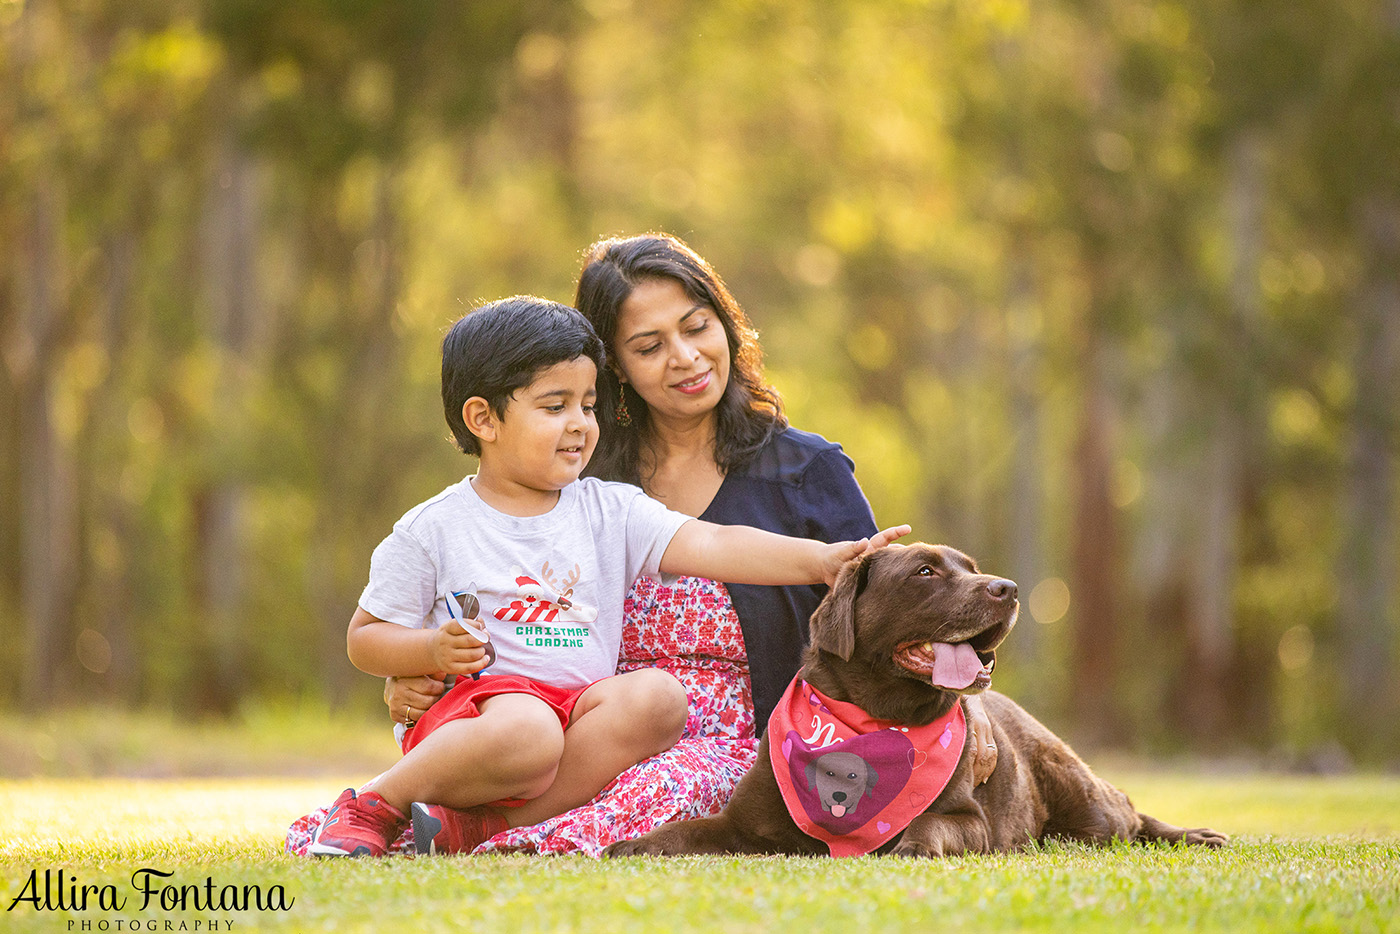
(954, 666)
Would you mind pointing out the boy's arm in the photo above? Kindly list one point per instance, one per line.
(739, 554)
(379, 647)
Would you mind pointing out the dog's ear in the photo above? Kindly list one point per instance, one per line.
(811, 773)
(871, 777)
(833, 625)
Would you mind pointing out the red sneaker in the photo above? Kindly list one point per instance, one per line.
(358, 825)
(438, 829)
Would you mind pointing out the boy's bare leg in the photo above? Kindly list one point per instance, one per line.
(512, 750)
(617, 723)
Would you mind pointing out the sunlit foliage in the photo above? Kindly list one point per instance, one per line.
(1105, 293)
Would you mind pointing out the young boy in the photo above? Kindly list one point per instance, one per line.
(549, 558)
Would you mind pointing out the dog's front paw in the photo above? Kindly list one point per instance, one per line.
(933, 835)
(648, 845)
(626, 848)
(1204, 836)
(919, 849)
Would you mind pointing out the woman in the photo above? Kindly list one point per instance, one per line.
(684, 412)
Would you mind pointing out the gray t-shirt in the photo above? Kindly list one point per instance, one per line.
(551, 587)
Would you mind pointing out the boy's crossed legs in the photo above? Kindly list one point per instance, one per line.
(514, 750)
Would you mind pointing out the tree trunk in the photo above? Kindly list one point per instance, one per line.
(48, 509)
(1097, 572)
(1027, 564)
(1368, 618)
(1209, 598)
(1210, 647)
(1166, 555)
(230, 234)
(108, 585)
(354, 468)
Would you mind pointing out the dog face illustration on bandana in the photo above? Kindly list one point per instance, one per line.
(851, 781)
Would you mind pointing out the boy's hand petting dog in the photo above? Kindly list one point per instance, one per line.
(884, 537)
(841, 552)
(458, 651)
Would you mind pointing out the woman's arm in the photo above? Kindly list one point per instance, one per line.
(984, 747)
(739, 554)
(409, 697)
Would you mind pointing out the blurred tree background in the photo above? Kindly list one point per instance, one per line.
(1105, 292)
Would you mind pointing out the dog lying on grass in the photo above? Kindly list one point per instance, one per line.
(902, 635)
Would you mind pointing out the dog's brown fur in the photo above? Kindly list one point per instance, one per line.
(882, 602)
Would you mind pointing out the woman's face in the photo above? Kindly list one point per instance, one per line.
(672, 350)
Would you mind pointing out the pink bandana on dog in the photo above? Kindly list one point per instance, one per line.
(851, 781)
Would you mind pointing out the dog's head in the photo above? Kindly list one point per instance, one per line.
(921, 612)
(841, 780)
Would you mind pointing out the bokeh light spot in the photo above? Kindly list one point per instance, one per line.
(1127, 484)
(1295, 648)
(817, 264)
(1049, 600)
(94, 651)
(146, 421)
(870, 347)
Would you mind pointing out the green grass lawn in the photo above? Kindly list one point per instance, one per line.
(1309, 854)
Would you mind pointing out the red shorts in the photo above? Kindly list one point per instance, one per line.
(461, 703)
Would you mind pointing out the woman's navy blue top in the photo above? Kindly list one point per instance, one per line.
(802, 485)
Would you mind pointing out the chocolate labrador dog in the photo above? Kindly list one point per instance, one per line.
(903, 634)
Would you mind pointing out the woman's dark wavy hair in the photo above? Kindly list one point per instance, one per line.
(749, 413)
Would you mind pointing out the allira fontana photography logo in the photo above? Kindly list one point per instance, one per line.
(149, 890)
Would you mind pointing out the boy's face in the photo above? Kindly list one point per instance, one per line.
(548, 430)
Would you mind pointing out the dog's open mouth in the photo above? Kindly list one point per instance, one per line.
(951, 666)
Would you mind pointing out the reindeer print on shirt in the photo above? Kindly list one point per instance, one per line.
(545, 603)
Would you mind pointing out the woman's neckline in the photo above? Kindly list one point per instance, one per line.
(688, 470)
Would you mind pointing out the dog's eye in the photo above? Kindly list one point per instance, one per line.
(852, 775)
(927, 571)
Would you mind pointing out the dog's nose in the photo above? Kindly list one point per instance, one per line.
(838, 795)
(1002, 589)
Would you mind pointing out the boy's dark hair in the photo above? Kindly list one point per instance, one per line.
(503, 345)
(749, 413)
